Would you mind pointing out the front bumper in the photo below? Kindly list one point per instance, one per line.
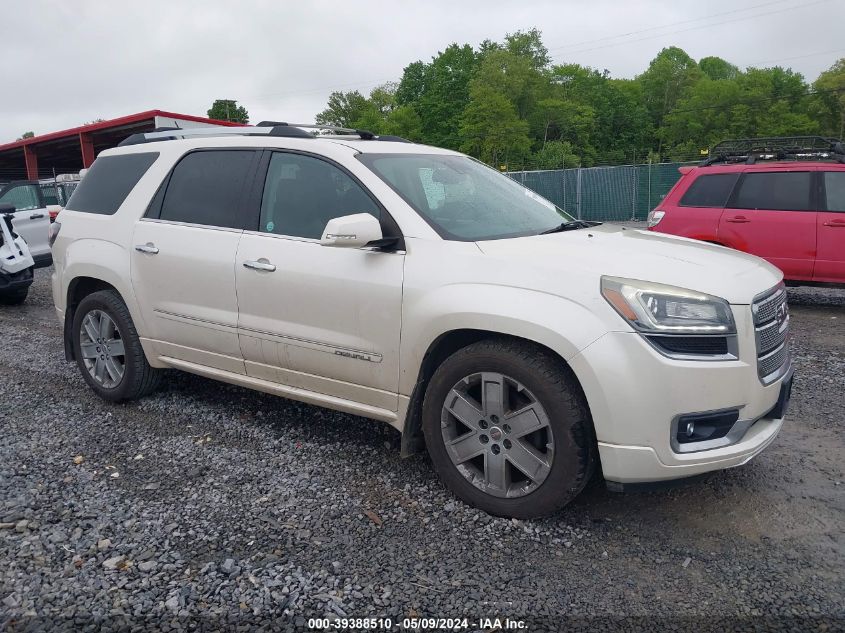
(635, 394)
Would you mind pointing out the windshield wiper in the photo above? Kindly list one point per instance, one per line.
(572, 225)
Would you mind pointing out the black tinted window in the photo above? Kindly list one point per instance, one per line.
(779, 191)
(709, 191)
(205, 188)
(834, 186)
(302, 194)
(109, 181)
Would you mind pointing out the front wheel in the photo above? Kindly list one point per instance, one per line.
(13, 297)
(108, 350)
(508, 429)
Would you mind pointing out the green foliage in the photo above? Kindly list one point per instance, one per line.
(556, 155)
(666, 79)
(228, 110)
(506, 103)
(26, 135)
(343, 109)
(829, 105)
(759, 102)
(492, 129)
(718, 68)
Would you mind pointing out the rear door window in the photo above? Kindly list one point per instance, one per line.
(776, 191)
(24, 197)
(712, 190)
(834, 187)
(206, 188)
(109, 181)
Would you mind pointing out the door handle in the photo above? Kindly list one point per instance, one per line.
(739, 219)
(260, 265)
(36, 216)
(836, 224)
(149, 248)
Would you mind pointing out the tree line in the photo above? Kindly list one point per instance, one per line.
(507, 104)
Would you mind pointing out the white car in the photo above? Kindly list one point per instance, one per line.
(33, 207)
(416, 286)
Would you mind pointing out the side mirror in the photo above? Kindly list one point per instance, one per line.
(5, 207)
(351, 231)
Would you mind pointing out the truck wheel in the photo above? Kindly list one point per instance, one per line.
(508, 429)
(108, 350)
(14, 297)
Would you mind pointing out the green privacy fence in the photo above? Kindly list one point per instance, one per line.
(624, 192)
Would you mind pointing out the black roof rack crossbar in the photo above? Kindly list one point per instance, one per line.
(750, 150)
(264, 128)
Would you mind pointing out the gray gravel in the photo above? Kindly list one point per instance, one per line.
(209, 504)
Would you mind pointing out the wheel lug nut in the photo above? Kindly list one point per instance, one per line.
(495, 448)
(494, 419)
(507, 444)
(506, 428)
(482, 424)
(484, 439)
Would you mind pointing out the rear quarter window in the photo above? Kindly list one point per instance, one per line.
(109, 181)
(712, 190)
(774, 191)
(834, 185)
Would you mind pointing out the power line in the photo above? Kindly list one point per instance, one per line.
(783, 59)
(663, 26)
(333, 88)
(695, 28)
(361, 85)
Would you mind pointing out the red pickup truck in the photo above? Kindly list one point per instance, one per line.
(780, 199)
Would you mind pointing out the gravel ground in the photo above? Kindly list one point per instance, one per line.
(207, 505)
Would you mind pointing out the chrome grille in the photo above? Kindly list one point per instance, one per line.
(765, 308)
(773, 361)
(771, 329)
(769, 337)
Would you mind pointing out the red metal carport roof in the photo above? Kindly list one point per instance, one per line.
(20, 159)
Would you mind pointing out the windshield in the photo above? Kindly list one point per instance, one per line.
(463, 199)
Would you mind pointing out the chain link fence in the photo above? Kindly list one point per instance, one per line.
(624, 192)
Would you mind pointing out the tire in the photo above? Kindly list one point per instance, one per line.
(561, 454)
(137, 379)
(14, 297)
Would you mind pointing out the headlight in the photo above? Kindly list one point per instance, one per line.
(658, 309)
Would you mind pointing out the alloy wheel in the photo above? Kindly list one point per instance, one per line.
(497, 434)
(102, 350)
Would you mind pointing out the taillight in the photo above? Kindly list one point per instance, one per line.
(53, 232)
(53, 210)
(654, 217)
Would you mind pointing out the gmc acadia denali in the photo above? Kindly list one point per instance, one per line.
(416, 286)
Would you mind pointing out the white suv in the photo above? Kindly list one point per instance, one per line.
(416, 286)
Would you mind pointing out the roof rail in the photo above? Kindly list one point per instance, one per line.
(750, 150)
(264, 128)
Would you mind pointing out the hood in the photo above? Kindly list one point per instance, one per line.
(635, 254)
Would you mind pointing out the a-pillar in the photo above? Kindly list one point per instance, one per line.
(31, 159)
(87, 145)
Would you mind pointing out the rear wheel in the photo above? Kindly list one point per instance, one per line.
(108, 350)
(508, 429)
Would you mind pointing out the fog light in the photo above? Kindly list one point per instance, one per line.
(699, 427)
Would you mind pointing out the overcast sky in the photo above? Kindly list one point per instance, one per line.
(66, 63)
